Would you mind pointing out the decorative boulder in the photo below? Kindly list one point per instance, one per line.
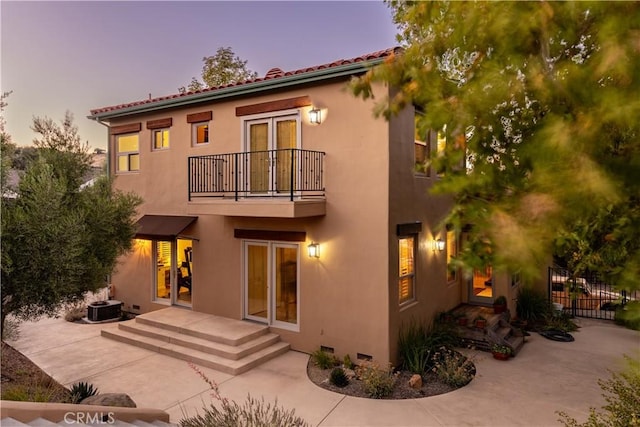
(350, 373)
(415, 381)
(121, 400)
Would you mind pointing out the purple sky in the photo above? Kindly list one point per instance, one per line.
(75, 56)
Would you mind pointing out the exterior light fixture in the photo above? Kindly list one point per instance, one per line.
(315, 116)
(437, 245)
(314, 250)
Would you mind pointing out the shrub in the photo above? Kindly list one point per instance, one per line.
(532, 305)
(348, 364)
(417, 344)
(629, 315)
(560, 322)
(38, 389)
(82, 390)
(377, 382)
(453, 368)
(338, 377)
(622, 394)
(11, 329)
(323, 359)
(75, 312)
(252, 413)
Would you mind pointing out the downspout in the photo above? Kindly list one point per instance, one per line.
(108, 145)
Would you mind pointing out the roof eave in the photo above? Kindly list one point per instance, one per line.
(243, 89)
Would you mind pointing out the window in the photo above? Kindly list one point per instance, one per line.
(421, 147)
(160, 139)
(406, 272)
(452, 252)
(128, 152)
(173, 266)
(200, 133)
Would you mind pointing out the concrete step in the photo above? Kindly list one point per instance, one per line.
(233, 352)
(205, 326)
(223, 364)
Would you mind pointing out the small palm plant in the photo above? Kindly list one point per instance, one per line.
(82, 390)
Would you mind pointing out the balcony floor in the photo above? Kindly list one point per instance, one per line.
(258, 207)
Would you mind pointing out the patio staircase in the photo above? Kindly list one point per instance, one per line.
(497, 331)
(227, 345)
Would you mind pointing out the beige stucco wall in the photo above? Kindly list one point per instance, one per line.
(343, 295)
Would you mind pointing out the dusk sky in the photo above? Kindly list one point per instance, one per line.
(80, 55)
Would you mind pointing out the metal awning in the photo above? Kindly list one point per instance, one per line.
(162, 227)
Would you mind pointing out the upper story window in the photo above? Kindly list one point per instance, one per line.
(200, 127)
(406, 272)
(200, 133)
(160, 138)
(128, 152)
(421, 147)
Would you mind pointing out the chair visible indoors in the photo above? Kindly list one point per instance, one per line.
(184, 272)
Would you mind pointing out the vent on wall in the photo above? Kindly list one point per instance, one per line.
(327, 349)
(362, 356)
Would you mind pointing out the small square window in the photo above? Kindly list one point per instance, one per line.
(160, 139)
(200, 133)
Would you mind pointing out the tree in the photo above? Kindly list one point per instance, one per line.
(223, 68)
(539, 104)
(59, 242)
(7, 147)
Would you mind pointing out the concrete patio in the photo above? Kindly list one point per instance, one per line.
(545, 377)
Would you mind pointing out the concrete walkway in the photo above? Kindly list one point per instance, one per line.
(545, 377)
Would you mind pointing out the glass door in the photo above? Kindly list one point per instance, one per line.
(271, 283)
(481, 286)
(270, 158)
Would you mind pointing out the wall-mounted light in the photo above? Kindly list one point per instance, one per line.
(315, 116)
(314, 250)
(437, 245)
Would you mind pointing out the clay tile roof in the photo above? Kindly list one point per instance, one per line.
(274, 73)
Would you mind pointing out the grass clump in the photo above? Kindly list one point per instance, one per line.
(251, 413)
(418, 344)
(532, 305)
(323, 359)
(453, 368)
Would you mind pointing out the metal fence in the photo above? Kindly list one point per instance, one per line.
(291, 173)
(585, 296)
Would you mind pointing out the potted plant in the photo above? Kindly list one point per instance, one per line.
(501, 352)
(462, 320)
(500, 304)
(480, 322)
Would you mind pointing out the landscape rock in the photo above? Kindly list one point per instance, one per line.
(350, 373)
(121, 400)
(415, 381)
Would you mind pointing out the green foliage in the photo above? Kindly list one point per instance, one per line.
(11, 329)
(453, 368)
(417, 344)
(252, 412)
(223, 68)
(622, 394)
(501, 300)
(59, 242)
(82, 390)
(532, 94)
(629, 315)
(561, 322)
(323, 359)
(502, 349)
(37, 389)
(532, 305)
(348, 364)
(338, 377)
(378, 382)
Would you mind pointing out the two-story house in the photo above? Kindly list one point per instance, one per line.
(283, 200)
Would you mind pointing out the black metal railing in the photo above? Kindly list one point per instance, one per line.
(290, 172)
(587, 295)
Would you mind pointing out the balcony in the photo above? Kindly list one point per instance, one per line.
(286, 183)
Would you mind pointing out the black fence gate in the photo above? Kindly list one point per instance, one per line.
(585, 296)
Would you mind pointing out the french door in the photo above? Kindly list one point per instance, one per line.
(269, 143)
(271, 276)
